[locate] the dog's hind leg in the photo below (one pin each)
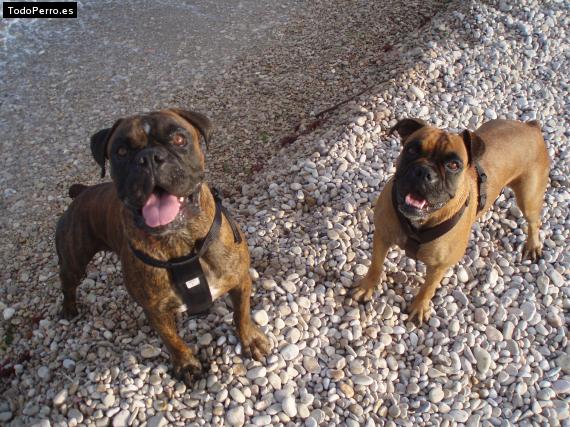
(73, 260)
(529, 190)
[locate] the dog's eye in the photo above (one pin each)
(453, 165)
(412, 150)
(122, 151)
(179, 140)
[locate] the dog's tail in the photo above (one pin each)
(76, 189)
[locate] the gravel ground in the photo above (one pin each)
(495, 351)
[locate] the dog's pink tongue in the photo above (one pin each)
(160, 210)
(416, 203)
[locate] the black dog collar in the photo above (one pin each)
(186, 272)
(418, 236)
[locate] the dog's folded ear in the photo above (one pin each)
(99, 142)
(406, 127)
(474, 144)
(200, 121)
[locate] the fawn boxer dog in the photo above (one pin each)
(443, 183)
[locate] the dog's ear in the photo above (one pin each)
(198, 120)
(99, 141)
(406, 127)
(474, 145)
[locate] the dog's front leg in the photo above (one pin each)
(185, 364)
(366, 286)
(253, 341)
(420, 309)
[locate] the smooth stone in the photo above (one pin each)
(528, 309)
(237, 395)
(235, 416)
(6, 416)
(508, 329)
(364, 380)
(493, 333)
(60, 397)
(436, 395)
(360, 270)
(68, 363)
(557, 278)
(561, 387)
(256, 372)
(157, 421)
(473, 421)
(554, 320)
(311, 364)
(75, 414)
(262, 420)
(260, 317)
(44, 372)
(205, 339)
(120, 420)
(483, 359)
(417, 92)
(108, 400)
(459, 415)
(289, 286)
(290, 352)
(289, 407)
(462, 275)
(148, 351)
(268, 284)
(563, 362)
(394, 411)
(8, 313)
(311, 422)
(347, 390)
(480, 316)
(490, 114)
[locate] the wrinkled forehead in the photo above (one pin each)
(157, 126)
(438, 142)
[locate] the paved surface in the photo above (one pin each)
(64, 79)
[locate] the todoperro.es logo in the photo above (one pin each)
(43, 9)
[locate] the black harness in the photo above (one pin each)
(419, 236)
(186, 272)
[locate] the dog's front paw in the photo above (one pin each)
(68, 311)
(255, 343)
(363, 292)
(419, 310)
(532, 251)
(188, 370)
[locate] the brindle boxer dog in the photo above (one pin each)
(159, 205)
(443, 183)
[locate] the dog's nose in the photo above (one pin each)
(151, 157)
(424, 173)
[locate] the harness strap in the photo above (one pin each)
(481, 187)
(226, 213)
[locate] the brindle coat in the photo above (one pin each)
(98, 219)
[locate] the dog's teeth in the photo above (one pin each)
(181, 199)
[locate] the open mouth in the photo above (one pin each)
(416, 202)
(161, 208)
